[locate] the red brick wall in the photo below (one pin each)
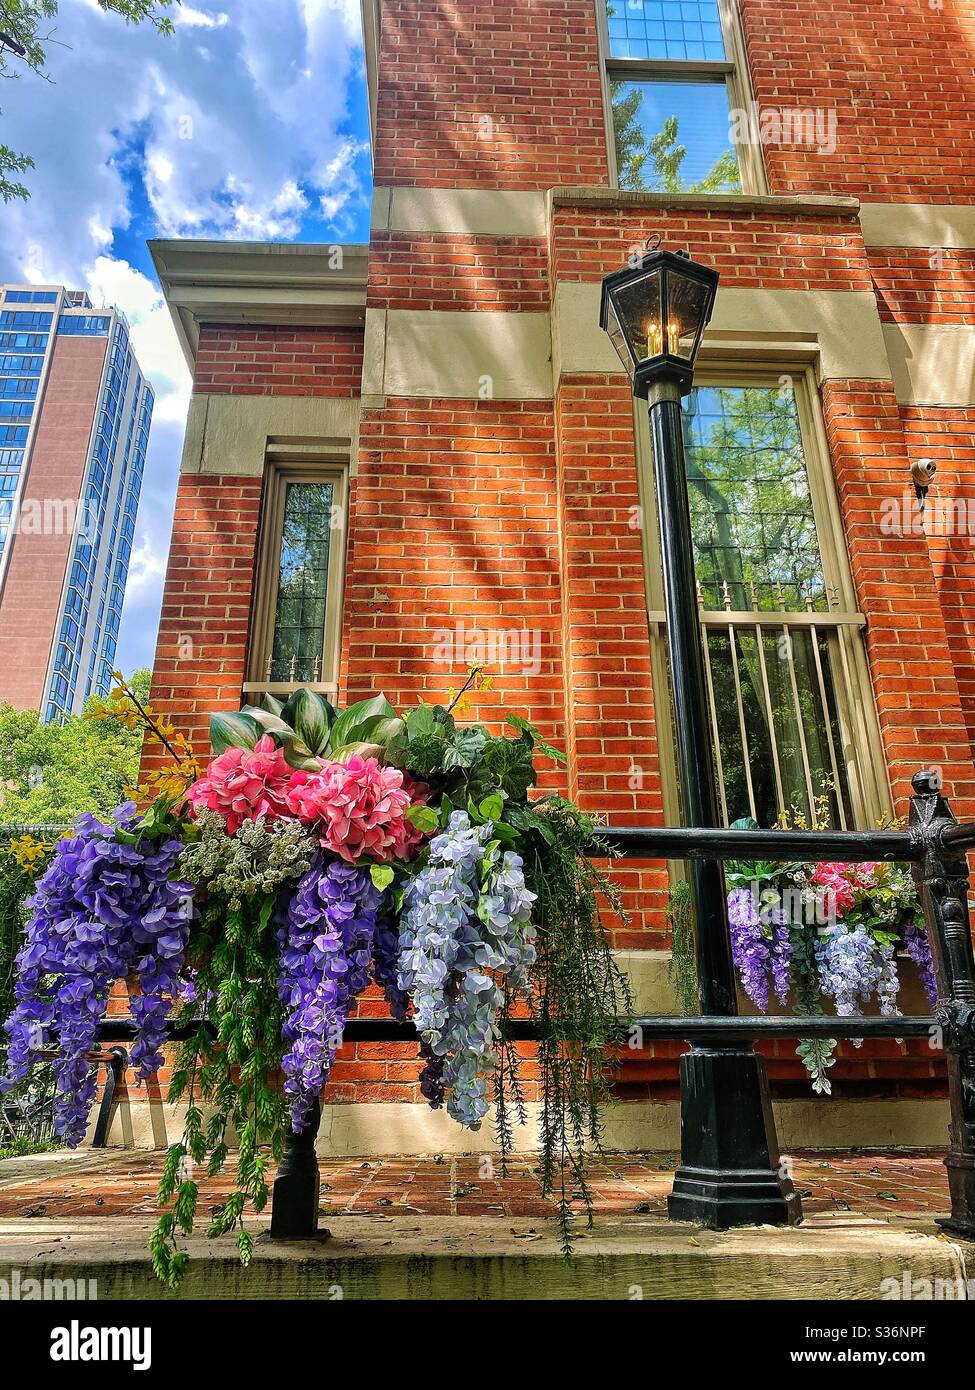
(947, 435)
(898, 75)
(237, 361)
(749, 249)
(922, 284)
(497, 94)
(911, 661)
(453, 520)
(458, 272)
(201, 650)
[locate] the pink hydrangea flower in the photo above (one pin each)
(241, 785)
(360, 807)
(834, 878)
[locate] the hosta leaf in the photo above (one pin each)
(272, 704)
(355, 724)
(311, 717)
(233, 730)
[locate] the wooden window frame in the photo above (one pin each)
(733, 73)
(280, 471)
(866, 771)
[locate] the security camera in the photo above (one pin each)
(922, 473)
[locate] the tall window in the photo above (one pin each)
(790, 698)
(296, 631)
(674, 71)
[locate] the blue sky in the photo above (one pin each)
(249, 123)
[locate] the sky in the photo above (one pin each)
(248, 123)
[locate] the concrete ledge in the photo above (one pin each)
(793, 205)
(637, 1126)
(402, 1257)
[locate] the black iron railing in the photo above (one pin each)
(934, 843)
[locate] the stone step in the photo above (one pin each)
(374, 1256)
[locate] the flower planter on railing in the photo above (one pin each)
(318, 852)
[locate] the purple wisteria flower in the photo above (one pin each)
(852, 966)
(325, 951)
(918, 947)
(781, 952)
(750, 946)
(103, 910)
(460, 939)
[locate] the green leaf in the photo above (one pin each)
(421, 722)
(355, 724)
(382, 876)
(424, 818)
(233, 730)
(311, 716)
(272, 704)
(492, 807)
(531, 735)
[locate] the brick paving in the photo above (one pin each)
(123, 1183)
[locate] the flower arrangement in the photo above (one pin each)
(825, 931)
(255, 898)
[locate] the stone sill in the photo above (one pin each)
(805, 205)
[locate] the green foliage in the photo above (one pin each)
(682, 966)
(581, 1000)
(307, 728)
(52, 773)
(26, 23)
(228, 1071)
(15, 887)
(22, 1147)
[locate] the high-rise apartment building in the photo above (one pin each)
(75, 411)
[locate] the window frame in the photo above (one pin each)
(282, 469)
(866, 770)
(733, 73)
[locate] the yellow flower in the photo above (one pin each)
(29, 854)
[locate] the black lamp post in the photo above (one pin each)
(655, 311)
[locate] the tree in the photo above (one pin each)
(21, 23)
(51, 773)
(663, 151)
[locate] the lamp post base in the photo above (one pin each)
(730, 1172)
(961, 1185)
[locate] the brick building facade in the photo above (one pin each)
(450, 387)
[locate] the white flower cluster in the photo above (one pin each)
(258, 859)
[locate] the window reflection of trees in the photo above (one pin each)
(299, 620)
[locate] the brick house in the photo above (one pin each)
(437, 425)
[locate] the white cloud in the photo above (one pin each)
(233, 126)
(154, 338)
(196, 19)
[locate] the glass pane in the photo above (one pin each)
(752, 518)
(686, 305)
(683, 29)
(674, 137)
(803, 729)
(299, 618)
(639, 307)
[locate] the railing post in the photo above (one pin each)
(295, 1194)
(944, 894)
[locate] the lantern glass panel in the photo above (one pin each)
(617, 337)
(687, 304)
(638, 307)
